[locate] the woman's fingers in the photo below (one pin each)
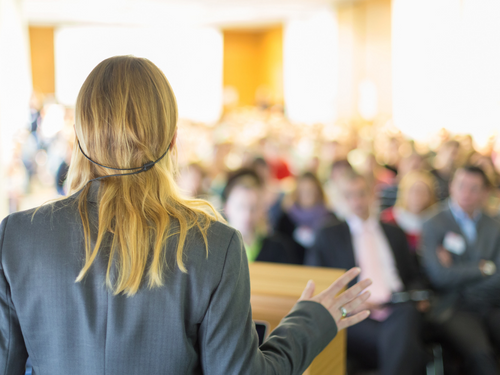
(308, 291)
(356, 302)
(351, 293)
(340, 283)
(352, 320)
(350, 300)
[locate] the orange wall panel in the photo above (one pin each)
(42, 59)
(241, 63)
(253, 59)
(272, 57)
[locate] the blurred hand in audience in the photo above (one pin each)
(444, 257)
(350, 300)
(424, 306)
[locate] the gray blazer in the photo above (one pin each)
(199, 322)
(463, 281)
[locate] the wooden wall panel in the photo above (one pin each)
(253, 59)
(42, 59)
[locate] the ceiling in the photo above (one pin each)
(221, 13)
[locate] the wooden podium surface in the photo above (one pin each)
(275, 288)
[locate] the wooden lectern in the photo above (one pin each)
(275, 288)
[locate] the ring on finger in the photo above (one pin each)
(343, 311)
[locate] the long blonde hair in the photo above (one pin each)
(125, 116)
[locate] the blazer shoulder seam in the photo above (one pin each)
(2, 241)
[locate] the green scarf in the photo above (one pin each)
(253, 250)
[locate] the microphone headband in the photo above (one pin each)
(146, 167)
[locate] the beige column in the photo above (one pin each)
(365, 58)
(15, 84)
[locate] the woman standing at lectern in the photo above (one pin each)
(125, 276)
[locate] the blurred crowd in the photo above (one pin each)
(419, 218)
(264, 140)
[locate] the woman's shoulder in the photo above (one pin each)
(221, 235)
(41, 214)
(218, 235)
(224, 248)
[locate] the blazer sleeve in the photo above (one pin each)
(487, 290)
(228, 339)
(13, 354)
(458, 275)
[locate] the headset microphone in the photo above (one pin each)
(146, 167)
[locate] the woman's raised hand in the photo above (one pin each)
(341, 305)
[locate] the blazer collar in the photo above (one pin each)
(93, 193)
(451, 217)
(469, 251)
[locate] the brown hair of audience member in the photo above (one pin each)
(354, 176)
(294, 197)
(340, 165)
(246, 177)
(472, 169)
(486, 164)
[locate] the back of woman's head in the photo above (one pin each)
(126, 116)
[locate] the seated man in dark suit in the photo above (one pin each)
(389, 339)
(461, 250)
(244, 209)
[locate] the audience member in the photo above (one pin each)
(444, 167)
(461, 248)
(192, 181)
(245, 210)
(305, 211)
(336, 202)
(416, 194)
(389, 192)
(492, 204)
(389, 339)
(272, 194)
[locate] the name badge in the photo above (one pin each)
(454, 243)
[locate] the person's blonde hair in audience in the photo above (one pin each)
(409, 180)
(123, 127)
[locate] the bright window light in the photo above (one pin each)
(445, 67)
(310, 63)
(191, 59)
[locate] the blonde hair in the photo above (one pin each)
(410, 179)
(126, 115)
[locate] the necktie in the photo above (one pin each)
(372, 267)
